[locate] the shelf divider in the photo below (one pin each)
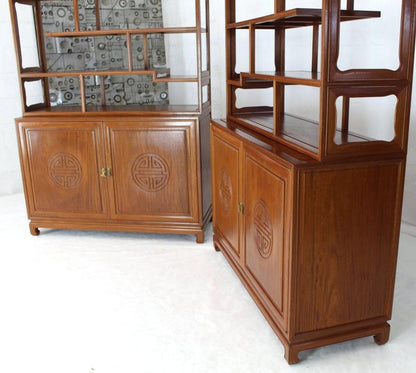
(76, 15)
(315, 47)
(129, 53)
(145, 56)
(82, 93)
(252, 48)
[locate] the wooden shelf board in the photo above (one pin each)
(259, 78)
(300, 17)
(296, 130)
(170, 78)
(92, 33)
(156, 110)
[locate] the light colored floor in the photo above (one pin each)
(82, 302)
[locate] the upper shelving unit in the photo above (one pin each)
(286, 75)
(93, 56)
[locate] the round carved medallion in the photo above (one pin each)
(226, 191)
(150, 172)
(263, 229)
(65, 170)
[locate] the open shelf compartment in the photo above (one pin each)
(95, 44)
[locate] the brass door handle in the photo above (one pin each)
(241, 208)
(106, 172)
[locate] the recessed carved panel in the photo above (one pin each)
(65, 170)
(226, 191)
(263, 229)
(150, 172)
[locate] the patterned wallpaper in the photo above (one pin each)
(104, 52)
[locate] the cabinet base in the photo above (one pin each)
(380, 331)
(166, 228)
(380, 334)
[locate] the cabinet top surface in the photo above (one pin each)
(252, 138)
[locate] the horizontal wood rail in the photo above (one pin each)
(154, 73)
(142, 31)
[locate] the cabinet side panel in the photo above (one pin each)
(205, 164)
(347, 244)
(225, 165)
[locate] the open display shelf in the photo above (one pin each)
(105, 49)
(308, 167)
(116, 107)
(298, 132)
(383, 82)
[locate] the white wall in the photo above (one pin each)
(10, 180)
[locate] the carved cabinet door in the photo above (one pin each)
(154, 167)
(226, 175)
(267, 198)
(61, 169)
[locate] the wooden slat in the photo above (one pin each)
(76, 15)
(145, 52)
(315, 48)
(97, 15)
(252, 48)
(345, 114)
(129, 53)
(279, 5)
(82, 93)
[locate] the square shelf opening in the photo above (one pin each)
(362, 119)
(99, 53)
(34, 92)
(265, 50)
(66, 91)
(242, 51)
(25, 15)
(183, 93)
(369, 44)
(182, 14)
(254, 98)
(299, 49)
(248, 9)
(135, 90)
(181, 54)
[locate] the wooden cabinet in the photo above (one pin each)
(308, 166)
(120, 174)
(116, 107)
(314, 244)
